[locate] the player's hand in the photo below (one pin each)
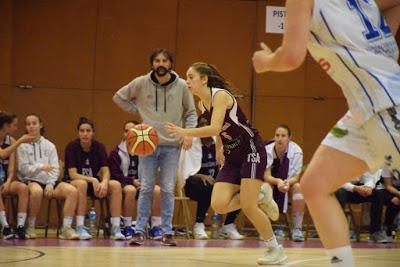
(219, 156)
(6, 187)
(47, 168)
(96, 186)
(48, 191)
(282, 185)
(136, 184)
(174, 130)
(26, 138)
(187, 142)
(260, 58)
(103, 189)
(206, 179)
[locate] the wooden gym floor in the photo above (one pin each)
(192, 253)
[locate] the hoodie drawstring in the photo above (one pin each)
(34, 151)
(165, 99)
(155, 87)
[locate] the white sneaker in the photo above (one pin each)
(116, 233)
(273, 256)
(267, 203)
(297, 235)
(199, 232)
(230, 231)
(31, 232)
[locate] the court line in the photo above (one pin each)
(291, 263)
(40, 254)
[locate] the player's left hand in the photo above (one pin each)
(48, 191)
(260, 58)
(173, 130)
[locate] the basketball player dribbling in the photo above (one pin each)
(243, 152)
(353, 41)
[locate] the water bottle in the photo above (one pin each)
(2, 174)
(92, 218)
(215, 222)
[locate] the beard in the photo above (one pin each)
(161, 71)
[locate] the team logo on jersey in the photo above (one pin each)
(339, 132)
(87, 172)
(253, 157)
(325, 65)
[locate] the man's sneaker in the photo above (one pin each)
(168, 240)
(378, 237)
(155, 233)
(230, 231)
(279, 233)
(199, 232)
(127, 232)
(116, 233)
(7, 233)
(20, 232)
(31, 232)
(267, 203)
(273, 256)
(137, 239)
(297, 235)
(83, 232)
(68, 233)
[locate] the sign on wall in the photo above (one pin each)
(275, 19)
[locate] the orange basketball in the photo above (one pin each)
(141, 140)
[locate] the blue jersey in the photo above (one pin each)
(353, 44)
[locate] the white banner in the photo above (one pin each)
(275, 19)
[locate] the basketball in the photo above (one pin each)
(141, 140)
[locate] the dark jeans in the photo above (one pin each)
(391, 211)
(197, 191)
(376, 200)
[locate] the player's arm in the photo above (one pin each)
(291, 54)
(221, 102)
(73, 173)
(391, 11)
(389, 186)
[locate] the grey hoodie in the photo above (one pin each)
(31, 157)
(158, 104)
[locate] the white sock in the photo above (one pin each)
(21, 218)
(298, 219)
(79, 220)
(341, 257)
(115, 221)
(67, 221)
(127, 221)
(3, 218)
(272, 242)
(155, 221)
(32, 221)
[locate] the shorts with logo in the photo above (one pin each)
(377, 141)
(250, 164)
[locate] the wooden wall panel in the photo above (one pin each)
(5, 43)
(221, 33)
(109, 118)
(59, 109)
(54, 43)
(127, 33)
(5, 98)
(272, 111)
(275, 83)
(320, 117)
